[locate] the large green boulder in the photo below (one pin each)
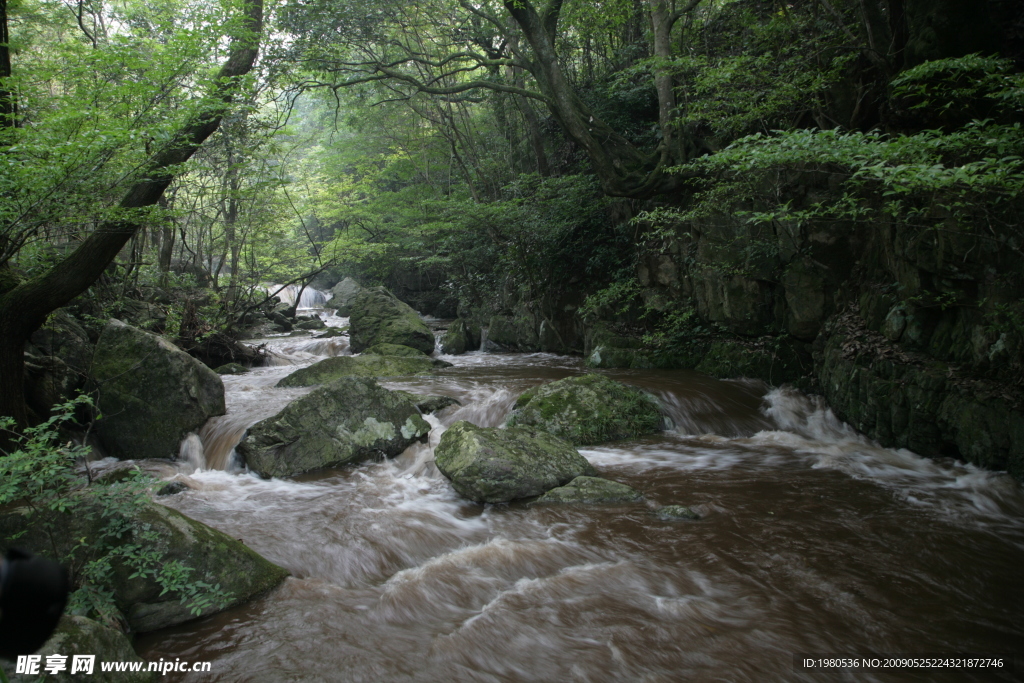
(342, 296)
(347, 421)
(77, 635)
(150, 393)
(331, 369)
(588, 409)
(212, 557)
(498, 465)
(379, 318)
(592, 490)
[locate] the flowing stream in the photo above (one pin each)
(812, 540)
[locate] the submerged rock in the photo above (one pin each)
(592, 490)
(76, 635)
(432, 404)
(211, 557)
(379, 318)
(587, 410)
(151, 393)
(342, 296)
(676, 512)
(347, 421)
(331, 369)
(499, 465)
(232, 369)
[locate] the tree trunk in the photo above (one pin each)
(24, 308)
(622, 169)
(8, 102)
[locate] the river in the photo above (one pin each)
(813, 540)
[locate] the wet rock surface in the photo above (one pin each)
(587, 410)
(331, 369)
(347, 421)
(379, 318)
(592, 490)
(498, 465)
(151, 393)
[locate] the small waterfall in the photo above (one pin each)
(192, 452)
(311, 298)
(483, 338)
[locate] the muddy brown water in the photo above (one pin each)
(812, 540)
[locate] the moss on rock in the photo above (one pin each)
(379, 318)
(331, 369)
(76, 635)
(212, 556)
(587, 410)
(394, 350)
(347, 421)
(593, 490)
(151, 393)
(499, 465)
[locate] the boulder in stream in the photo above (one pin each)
(676, 513)
(498, 465)
(461, 337)
(151, 393)
(342, 296)
(594, 490)
(76, 635)
(211, 556)
(331, 369)
(588, 409)
(379, 318)
(347, 421)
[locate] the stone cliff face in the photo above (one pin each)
(916, 332)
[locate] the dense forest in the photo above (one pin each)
(821, 194)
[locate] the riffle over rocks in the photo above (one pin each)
(909, 400)
(378, 317)
(499, 465)
(347, 421)
(150, 393)
(587, 410)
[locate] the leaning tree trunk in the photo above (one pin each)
(622, 169)
(24, 308)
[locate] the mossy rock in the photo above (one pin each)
(498, 465)
(76, 635)
(347, 421)
(232, 369)
(462, 336)
(151, 393)
(587, 410)
(592, 490)
(311, 324)
(212, 556)
(394, 350)
(331, 369)
(380, 318)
